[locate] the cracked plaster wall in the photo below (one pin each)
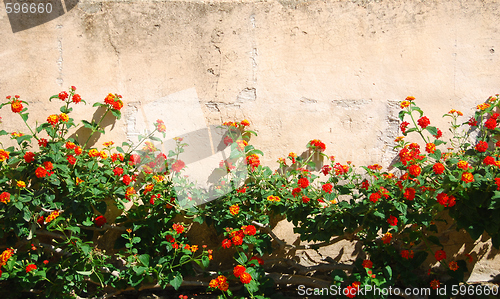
(298, 70)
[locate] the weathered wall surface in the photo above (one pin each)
(298, 70)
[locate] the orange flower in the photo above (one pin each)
(70, 145)
(234, 209)
(463, 165)
(52, 216)
(4, 155)
(78, 181)
(467, 177)
(435, 284)
(410, 98)
(129, 192)
(5, 256)
(53, 119)
(213, 283)
(245, 123)
(194, 248)
(455, 111)
(483, 106)
(238, 270)
(16, 106)
(5, 197)
(64, 117)
(245, 278)
(430, 148)
(78, 151)
(21, 184)
(94, 153)
(387, 238)
(108, 144)
(453, 266)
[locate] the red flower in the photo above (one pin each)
(374, 197)
(365, 185)
(76, 98)
(386, 238)
(326, 169)
(327, 188)
(317, 145)
(238, 270)
(170, 239)
(179, 228)
(393, 221)
(306, 199)
(126, 179)
(438, 168)
(367, 264)
(403, 126)
(481, 146)
(423, 122)
(237, 238)
(253, 161)
(45, 262)
(63, 95)
(303, 183)
(16, 106)
(409, 193)
(40, 172)
(48, 165)
(491, 123)
(350, 291)
(118, 171)
(249, 230)
(407, 254)
(439, 134)
(228, 140)
(296, 191)
(40, 220)
(178, 166)
(472, 122)
(134, 159)
(42, 142)
(71, 159)
(99, 221)
(30, 267)
(489, 160)
(29, 157)
(226, 243)
(414, 170)
(5, 197)
(440, 255)
(245, 278)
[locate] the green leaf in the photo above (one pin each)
(205, 261)
(198, 219)
(432, 130)
(176, 281)
(24, 116)
(116, 113)
(120, 150)
(241, 257)
(86, 273)
(136, 240)
(434, 240)
(144, 259)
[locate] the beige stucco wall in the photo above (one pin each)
(297, 70)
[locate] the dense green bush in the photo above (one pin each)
(79, 221)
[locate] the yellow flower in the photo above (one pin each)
(52, 216)
(94, 153)
(21, 184)
(103, 155)
(78, 181)
(404, 104)
(273, 198)
(234, 209)
(108, 144)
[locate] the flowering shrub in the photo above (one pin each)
(79, 220)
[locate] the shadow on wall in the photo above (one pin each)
(83, 135)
